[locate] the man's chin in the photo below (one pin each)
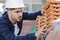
(19, 20)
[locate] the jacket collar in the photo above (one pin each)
(5, 16)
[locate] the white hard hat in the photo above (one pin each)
(14, 4)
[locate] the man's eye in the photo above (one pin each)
(18, 11)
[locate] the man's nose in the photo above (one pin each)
(20, 14)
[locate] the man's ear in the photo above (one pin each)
(9, 11)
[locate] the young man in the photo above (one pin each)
(11, 21)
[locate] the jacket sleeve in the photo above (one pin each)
(5, 34)
(31, 16)
(30, 36)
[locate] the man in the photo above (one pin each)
(11, 21)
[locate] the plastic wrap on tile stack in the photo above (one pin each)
(40, 21)
(51, 11)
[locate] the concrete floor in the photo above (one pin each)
(27, 24)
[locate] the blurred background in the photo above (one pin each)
(32, 5)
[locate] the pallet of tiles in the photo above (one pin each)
(51, 11)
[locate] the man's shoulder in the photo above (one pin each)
(2, 21)
(4, 18)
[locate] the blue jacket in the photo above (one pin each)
(7, 28)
